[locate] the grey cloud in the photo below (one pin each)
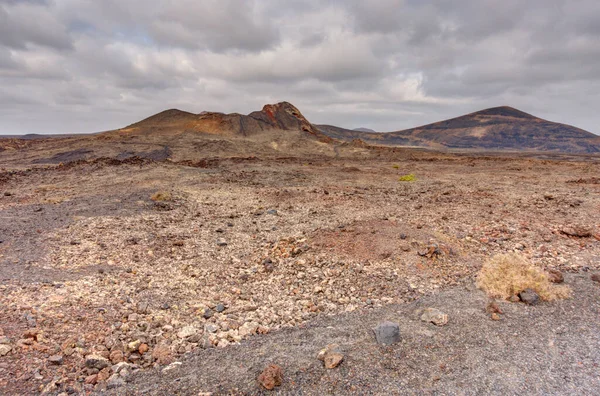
(29, 23)
(383, 64)
(214, 24)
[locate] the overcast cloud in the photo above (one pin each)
(87, 65)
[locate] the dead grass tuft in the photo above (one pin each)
(161, 196)
(506, 275)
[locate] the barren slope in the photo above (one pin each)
(502, 128)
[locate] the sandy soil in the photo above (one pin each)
(258, 260)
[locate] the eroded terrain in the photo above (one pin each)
(246, 247)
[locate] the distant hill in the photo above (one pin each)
(363, 130)
(273, 117)
(498, 128)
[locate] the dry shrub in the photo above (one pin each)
(506, 275)
(161, 196)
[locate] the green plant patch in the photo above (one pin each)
(407, 178)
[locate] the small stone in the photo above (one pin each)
(576, 231)
(186, 332)
(211, 328)
(272, 212)
(116, 356)
(333, 359)
(555, 276)
(96, 361)
(104, 374)
(434, 316)
(220, 307)
(117, 368)
(91, 379)
(529, 297)
(247, 329)
(142, 307)
(492, 308)
(143, 348)
(4, 340)
(4, 349)
(134, 357)
(331, 356)
(271, 377)
(208, 313)
(387, 333)
(31, 333)
(115, 381)
(56, 360)
(596, 277)
(495, 316)
(221, 242)
(171, 366)
(134, 345)
(514, 298)
(162, 354)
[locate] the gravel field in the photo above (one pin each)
(243, 262)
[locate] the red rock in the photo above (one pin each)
(492, 307)
(91, 379)
(116, 356)
(104, 374)
(271, 377)
(143, 348)
(555, 276)
(162, 354)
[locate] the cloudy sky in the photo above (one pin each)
(93, 65)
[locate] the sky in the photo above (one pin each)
(71, 66)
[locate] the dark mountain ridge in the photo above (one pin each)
(497, 128)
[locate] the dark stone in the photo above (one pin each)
(208, 313)
(529, 297)
(387, 333)
(220, 307)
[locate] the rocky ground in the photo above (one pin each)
(269, 260)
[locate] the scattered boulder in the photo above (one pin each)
(186, 332)
(555, 276)
(529, 297)
(493, 308)
(576, 231)
(96, 361)
(387, 333)
(271, 377)
(435, 316)
(116, 356)
(162, 354)
(56, 360)
(247, 329)
(331, 356)
(514, 298)
(143, 348)
(134, 345)
(208, 313)
(4, 349)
